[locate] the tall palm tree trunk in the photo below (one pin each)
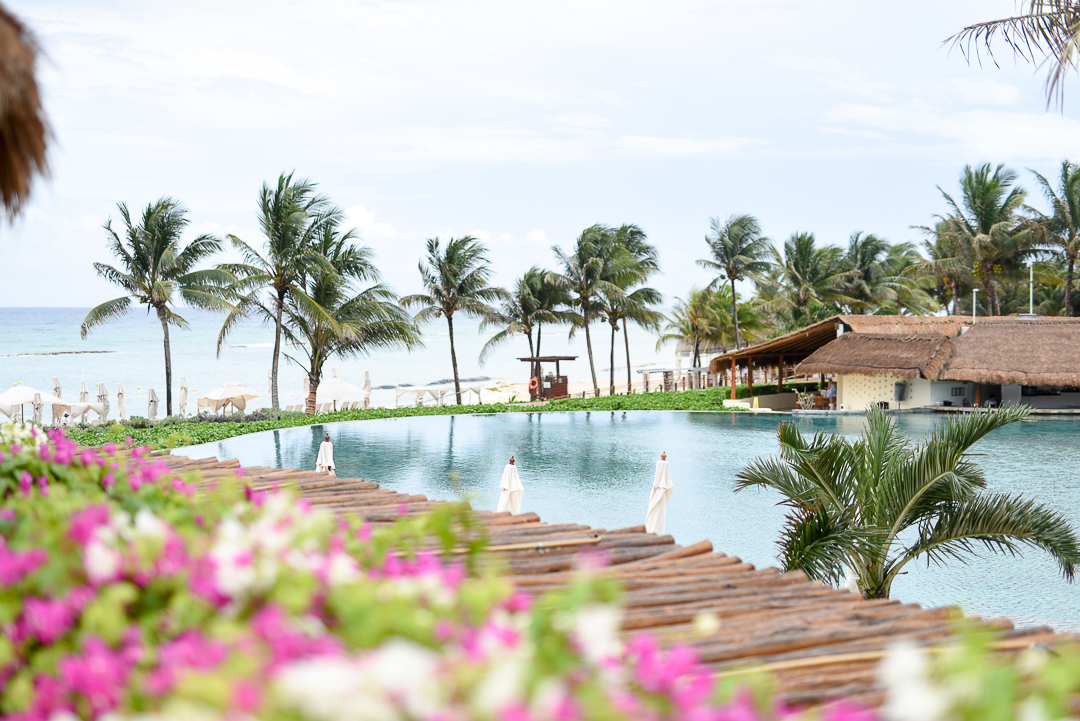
(735, 313)
(697, 357)
(453, 358)
(313, 388)
(626, 340)
(539, 330)
(991, 288)
(614, 327)
(277, 352)
(1069, 282)
(592, 366)
(168, 359)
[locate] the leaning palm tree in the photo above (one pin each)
(636, 305)
(985, 224)
(643, 261)
(347, 322)
(523, 312)
(1060, 231)
(586, 274)
(738, 250)
(292, 217)
(875, 504)
(693, 320)
(156, 270)
(456, 280)
(812, 280)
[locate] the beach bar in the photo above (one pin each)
(545, 388)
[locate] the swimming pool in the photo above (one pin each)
(596, 468)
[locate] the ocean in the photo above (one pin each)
(38, 344)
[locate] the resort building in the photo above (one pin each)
(903, 362)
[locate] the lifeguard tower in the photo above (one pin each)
(547, 387)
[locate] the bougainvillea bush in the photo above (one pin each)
(126, 592)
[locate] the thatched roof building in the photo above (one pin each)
(908, 356)
(24, 131)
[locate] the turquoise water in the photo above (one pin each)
(597, 469)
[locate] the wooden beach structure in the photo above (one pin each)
(820, 643)
(548, 387)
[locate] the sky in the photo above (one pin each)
(518, 123)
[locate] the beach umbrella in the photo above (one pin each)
(367, 389)
(37, 409)
(510, 490)
(335, 389)
(151, 407)
(658, 500)
(232, 392)
(84, 397)
(121, 406)
(103, 400)
(183, 397)
(57, 410)
(18, 395)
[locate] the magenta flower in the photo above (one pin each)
(86, 521)
(16, 565)
(26, 482)
(99, 675)
(110, 449)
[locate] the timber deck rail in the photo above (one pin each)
(820, 643)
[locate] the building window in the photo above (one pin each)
(957, 391)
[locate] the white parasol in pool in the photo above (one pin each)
(510, 490)
(658, 500)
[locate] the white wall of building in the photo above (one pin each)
(857, 392)
(943, 391)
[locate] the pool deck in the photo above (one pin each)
(820, 643)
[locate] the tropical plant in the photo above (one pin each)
(697, 318)
(875, 504)
(738, 250)
(811, 279)
(587, 272)
(1060, 231)
(456, 280)
(985, 226)
(291, 216)
(347, 322)
(945, 266)
(157, 269)
(886, 279)
(24, 131)
(522, 312)
(1043, 31)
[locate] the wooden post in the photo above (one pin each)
(780, 375)
(734, 377)
(646, 376)
(978, 394)
(750, 376)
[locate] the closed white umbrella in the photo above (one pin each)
(335, 389)
(232, 392)
(510, 490)
(183, 397)
(367, 389)
(151, 407)
(57, 410)
(84, 397)
(103, 400)
(37, 409)
(661, 494)
(121, 406)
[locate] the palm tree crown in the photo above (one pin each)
(156, 270)
(738, 250)
(456, 280)
(291, 216)
(876, 503)
(1060, 230)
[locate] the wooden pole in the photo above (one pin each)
(750, 375)
(780, 375)
(734, 377)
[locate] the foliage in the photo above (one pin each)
(739, 250)
(125, 594)
(874, 504)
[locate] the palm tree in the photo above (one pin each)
(738, 250)
(523, 311)
(586, 274)
(643, 261)
(985, 223)
(621, 307)
(945, 267)
(455, 281)
(291, 217)
(346, 322)
(812, 280)
(24, 131)
(704, 319)
(877, 503)
(156, 270)
(1061, 229)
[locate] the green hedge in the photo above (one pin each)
(173, 432)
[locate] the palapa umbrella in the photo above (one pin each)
(232, 392)
(367, 389)
(510, 490)
(103, 400)
(57, 410)
(661, 494)
(121, 406)
(37, 409)
(335, 389)
(183, 397)
(151, 407)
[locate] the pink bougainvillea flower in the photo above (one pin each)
(26, 482)
(16, 565)
(86, 521)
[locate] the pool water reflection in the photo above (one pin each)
(596, 468)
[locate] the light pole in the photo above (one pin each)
(974, 303)
(1031, 290)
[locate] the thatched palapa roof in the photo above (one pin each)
(1010, 350)
(24, 131)
(875, 354)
